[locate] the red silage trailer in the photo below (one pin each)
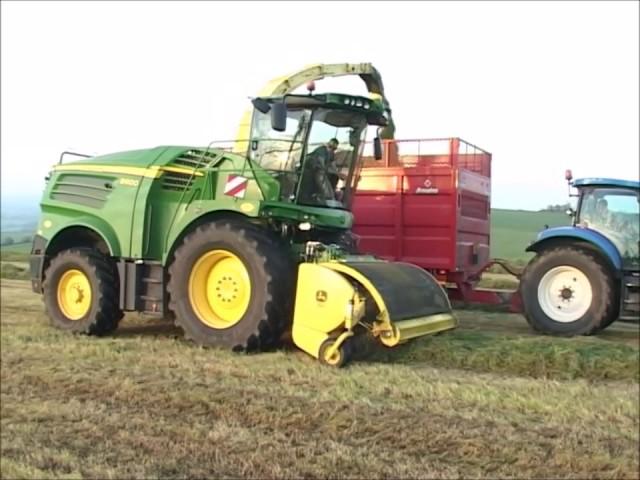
(428, 202)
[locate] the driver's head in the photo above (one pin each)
(332, 144)
(602, 204)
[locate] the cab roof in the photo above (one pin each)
(606, 182)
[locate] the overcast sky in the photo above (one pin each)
(543, 86)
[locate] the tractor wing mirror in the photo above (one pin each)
(377, 148)
(279, 117)
(261, 105)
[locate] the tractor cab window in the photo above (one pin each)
(314, 158)
(328, 169)
(615, 213)
(280, 153)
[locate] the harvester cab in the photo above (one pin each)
(311, 144)
(239, 246)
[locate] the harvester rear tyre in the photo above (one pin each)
(266, 311)
(96, 286)
(540, 292)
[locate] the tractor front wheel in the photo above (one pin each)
(566, 291)
(81, 292)
(231, 285)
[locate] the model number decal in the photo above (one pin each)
(128, 182)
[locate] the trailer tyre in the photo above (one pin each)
(231, 285)
(81, 292)
(566, 292)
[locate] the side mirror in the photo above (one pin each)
(279, 117)
(571, 212)
(377, 148)
(261, 105)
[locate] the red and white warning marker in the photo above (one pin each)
(236, 186)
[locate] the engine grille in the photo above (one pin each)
(195, 159)
(177, 181)
(91, 191)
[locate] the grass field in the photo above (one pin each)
(488, 400)
(513, 230)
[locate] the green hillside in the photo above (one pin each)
(513, 230)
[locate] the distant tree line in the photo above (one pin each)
(10, 240)
(556, 208)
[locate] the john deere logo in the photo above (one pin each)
(321, 296)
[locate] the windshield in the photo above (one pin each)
(615, 213)
(314, 158)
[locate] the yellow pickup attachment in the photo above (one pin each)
(395, 301)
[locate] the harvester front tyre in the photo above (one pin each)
(566, 292)
(340, 357)
(81, 292)
(231, 285)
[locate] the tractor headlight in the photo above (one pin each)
(305, 226)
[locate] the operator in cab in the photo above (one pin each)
(321, 174)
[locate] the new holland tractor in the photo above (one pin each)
(239, 246)
(587, 275)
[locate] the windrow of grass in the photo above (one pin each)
(535, 357)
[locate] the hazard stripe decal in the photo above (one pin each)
(236, 186)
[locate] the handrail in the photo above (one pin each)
(72, 153)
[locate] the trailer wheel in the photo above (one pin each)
(81, 292)
(231, 285)
(565, 292)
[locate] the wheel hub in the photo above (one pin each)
(74, 294)
(219, 288)
(565, 294)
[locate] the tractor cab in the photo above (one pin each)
(310, 144)
(611, 207)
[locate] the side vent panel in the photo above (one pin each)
(85, 190)
(177, 182)
(195, 159)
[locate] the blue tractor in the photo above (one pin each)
(587, 275)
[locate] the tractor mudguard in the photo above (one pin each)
(570, 234)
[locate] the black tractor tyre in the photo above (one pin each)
(104, 313)
(272, 275)
(601, 307)
(612, 317)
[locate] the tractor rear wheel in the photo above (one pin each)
(81, 292)
(231, 284)
(566, 291)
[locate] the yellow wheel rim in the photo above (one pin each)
(219, 289)
(74, 294)
(332, 359)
